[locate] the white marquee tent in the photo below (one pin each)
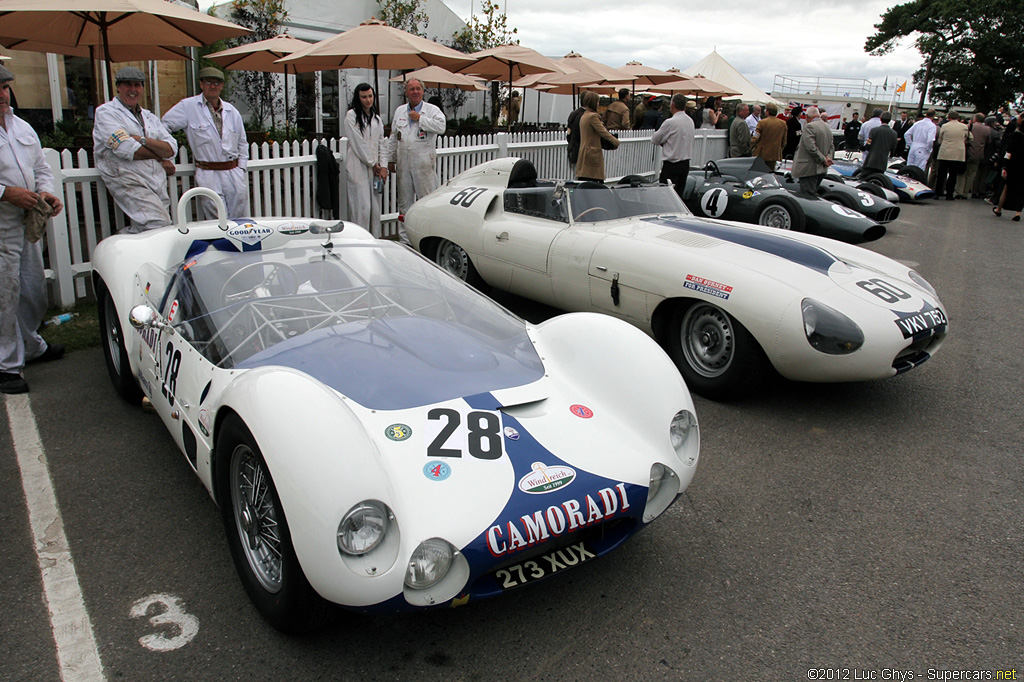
(717, 69)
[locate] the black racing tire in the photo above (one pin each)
(115, 352)
(453, 259)
(880, 179)
(841, 199)
(781, 213)
(914, 172)
(258, 535)
(717, 356)
(871, 189)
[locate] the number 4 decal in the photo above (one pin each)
(714, 202)
(451, 433)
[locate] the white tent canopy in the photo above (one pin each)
(717, 69)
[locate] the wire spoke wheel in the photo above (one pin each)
(256, 518)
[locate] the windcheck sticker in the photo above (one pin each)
(707, 286)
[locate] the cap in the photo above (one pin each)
(211, 72)
(5, 75)
(130, 73)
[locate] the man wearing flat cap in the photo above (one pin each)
(133, 151)
(216, 135)
(26, 193)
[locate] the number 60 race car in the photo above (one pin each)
(376, 433)
(726, 300)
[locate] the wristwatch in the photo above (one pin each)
(142, 141)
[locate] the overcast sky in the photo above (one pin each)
(762, 38)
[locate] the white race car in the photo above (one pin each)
(726, 300)
(378, 434)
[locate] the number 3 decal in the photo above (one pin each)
(451, 433)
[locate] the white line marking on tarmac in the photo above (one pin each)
(77, 655)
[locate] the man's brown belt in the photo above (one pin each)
(217, 165)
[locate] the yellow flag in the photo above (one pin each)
(902, 88)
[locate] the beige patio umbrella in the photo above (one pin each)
(697, 86)
(374, 45)
(262, 56)
(515, 61)
(585, 73)
(645, 75)
(108, 25)
(440, 77)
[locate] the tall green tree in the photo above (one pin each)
(265, 18)
(482, 32)
(973, 51)
(407, 15)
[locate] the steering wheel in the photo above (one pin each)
(591, 210)
(272, 284)
(713, 167)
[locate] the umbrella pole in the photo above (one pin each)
(106, 55)
(508, 107)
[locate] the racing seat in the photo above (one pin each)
(523, 175)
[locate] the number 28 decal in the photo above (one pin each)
(451, 433)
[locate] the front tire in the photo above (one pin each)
(717, 356)
(258, 535)
(781, 214)
(115, 352)
(880, 179)
(454, 259)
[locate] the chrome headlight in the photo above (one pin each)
(923, 283)
(363, 527)
(429, 563)
(661, 491)
(828, 330)
(682, 433)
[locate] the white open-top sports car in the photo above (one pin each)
(726, 300)
(378, 434)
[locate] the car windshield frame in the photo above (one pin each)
(593, 202)
(231, 305)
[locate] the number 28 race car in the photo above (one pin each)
(376, 433)
(726, 300)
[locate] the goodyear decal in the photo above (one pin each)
(250, 233)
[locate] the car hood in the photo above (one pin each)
(401, 362)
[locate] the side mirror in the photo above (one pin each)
(144, 317)
(321, 227)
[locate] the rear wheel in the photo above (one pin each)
(453, 258)
(880, 179)
(841, 199)
(914, 172)
(781, 214)
(258, 535)
(716, 355)
(115, 352)
(874, 190)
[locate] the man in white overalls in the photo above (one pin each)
(220, 150)
(412, 148)
(133, 153)
(25, 182)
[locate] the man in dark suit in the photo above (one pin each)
(881, 143)
(901, 126)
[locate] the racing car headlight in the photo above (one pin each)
(923, 283)
(363, 528)
(682, 433)
(661, 490)
(429, 563)
(828, 330)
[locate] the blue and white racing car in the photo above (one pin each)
(377, 433)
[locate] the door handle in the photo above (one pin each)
(503, 237)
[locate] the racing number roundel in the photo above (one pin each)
(714, 203)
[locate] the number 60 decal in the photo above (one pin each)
(467, 196)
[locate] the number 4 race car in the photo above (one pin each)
(376, 433)
(726, 300)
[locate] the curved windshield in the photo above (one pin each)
(593, 202)
(373, 320)
(767, 181)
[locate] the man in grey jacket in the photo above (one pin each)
(814, 153)
(739, 133)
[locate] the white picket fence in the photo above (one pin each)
(282, 183)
